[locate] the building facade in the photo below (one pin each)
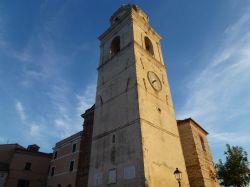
(130, 136)
(63, 166)
(70, 163)
(135, 136)
(85, 148)
(26, 167)
(197, 154)
(6, 153)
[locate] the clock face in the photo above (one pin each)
(154, 81)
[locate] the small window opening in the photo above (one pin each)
(23, 183)
(202, 143)
(97, 179)
(52, 171)
(71, 166)
(115, 46)
(74, 148)
(116, 19)
(129, 172)
(112, 176)
(55, 155)
(167, 99)
(149, 45)
(27, 166)
(113, 139)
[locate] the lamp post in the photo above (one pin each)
(177, 174)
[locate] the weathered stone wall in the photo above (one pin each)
(197, 154)
(162, 152)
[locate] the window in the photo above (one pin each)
(52, 171)
(71, 166)
(59, 185)
(27, 166)
(74, 148)
(129, 172)
(115, 46)
(69, 185)
(97, 179)
(55, 155)
(202, 143)
(23, 183)
(149, 45)
(112, 176)
(113, 139)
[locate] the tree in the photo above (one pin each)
(235, 170)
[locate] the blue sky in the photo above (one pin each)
(49, 53)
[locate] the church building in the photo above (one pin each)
(130, 135)
(136, 140)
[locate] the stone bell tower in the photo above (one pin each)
(135, 136)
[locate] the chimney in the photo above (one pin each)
(33, 148)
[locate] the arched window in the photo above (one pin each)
(149, 45)
(115, 46)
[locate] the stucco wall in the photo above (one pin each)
(37, 175)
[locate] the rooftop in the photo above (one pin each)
(180, 122)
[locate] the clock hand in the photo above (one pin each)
(154, 81)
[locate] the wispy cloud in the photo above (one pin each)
(21, 111)
(87, 99)
(229, 138)
(42, 71)
(220, 91)
(67, 118)
(35, 130)
(30, 128)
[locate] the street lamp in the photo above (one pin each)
(177, 174)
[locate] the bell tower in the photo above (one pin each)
(135, 136)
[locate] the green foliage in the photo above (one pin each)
(235, 170)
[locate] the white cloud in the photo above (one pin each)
(64, 128)
(67, 118)
(21, 111)
(35, 129)
(232, 138)
(43, 64)
(221, 90)
(87, 99)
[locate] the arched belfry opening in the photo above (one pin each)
(149, 45)
(115, 46)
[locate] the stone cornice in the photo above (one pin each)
(119, 24)
(132, 16)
